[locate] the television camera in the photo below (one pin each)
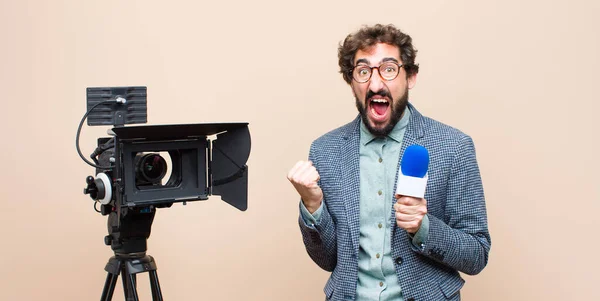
(142, 168)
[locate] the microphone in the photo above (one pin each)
(412, 177)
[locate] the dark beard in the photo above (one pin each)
(397, 107)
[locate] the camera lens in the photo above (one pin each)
(150, 169)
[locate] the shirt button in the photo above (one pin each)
(380, 225)
(380, 160)
(399, 260)
(379, 192)
(377, 255)
(380, 284)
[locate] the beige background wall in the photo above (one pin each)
(521, 77)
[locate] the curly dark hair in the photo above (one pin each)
(368, 36)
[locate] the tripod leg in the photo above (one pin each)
(129, 284)
(155, 286)
(125, 280)
(109, 287)
(133, 288)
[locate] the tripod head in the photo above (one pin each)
(128, 234)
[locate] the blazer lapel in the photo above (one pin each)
(350, 167)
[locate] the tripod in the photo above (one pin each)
(128, 266)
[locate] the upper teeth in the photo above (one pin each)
(381, 100)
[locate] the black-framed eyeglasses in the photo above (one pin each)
(387, 70)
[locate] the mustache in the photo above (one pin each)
(382, 93)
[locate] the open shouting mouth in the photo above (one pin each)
(379, 108)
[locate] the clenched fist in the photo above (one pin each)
(410, 212)
(304, 177)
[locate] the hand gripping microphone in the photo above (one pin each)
(412, 178)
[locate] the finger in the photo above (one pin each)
(411, 227)
(294, 169)
(298, 176)
(399, 207)
(406, 223)
(309, 176)
(405, 217)
(412, 210)
(302, 173)
(409, 201)
(312, 180)
(415, 210)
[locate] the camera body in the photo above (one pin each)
(198, 166)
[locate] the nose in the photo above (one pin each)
(376, 82)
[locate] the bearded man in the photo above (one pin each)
(377, 244)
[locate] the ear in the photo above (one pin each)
(412, 80)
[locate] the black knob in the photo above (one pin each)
(95, 188)
(92, 188)
(108, 240)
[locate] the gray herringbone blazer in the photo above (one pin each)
(458, 233)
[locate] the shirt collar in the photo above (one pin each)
(396, 134)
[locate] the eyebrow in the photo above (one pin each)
(365, 61)
(387, 59)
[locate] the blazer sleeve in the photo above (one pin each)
(463, 242)
(320, 237)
